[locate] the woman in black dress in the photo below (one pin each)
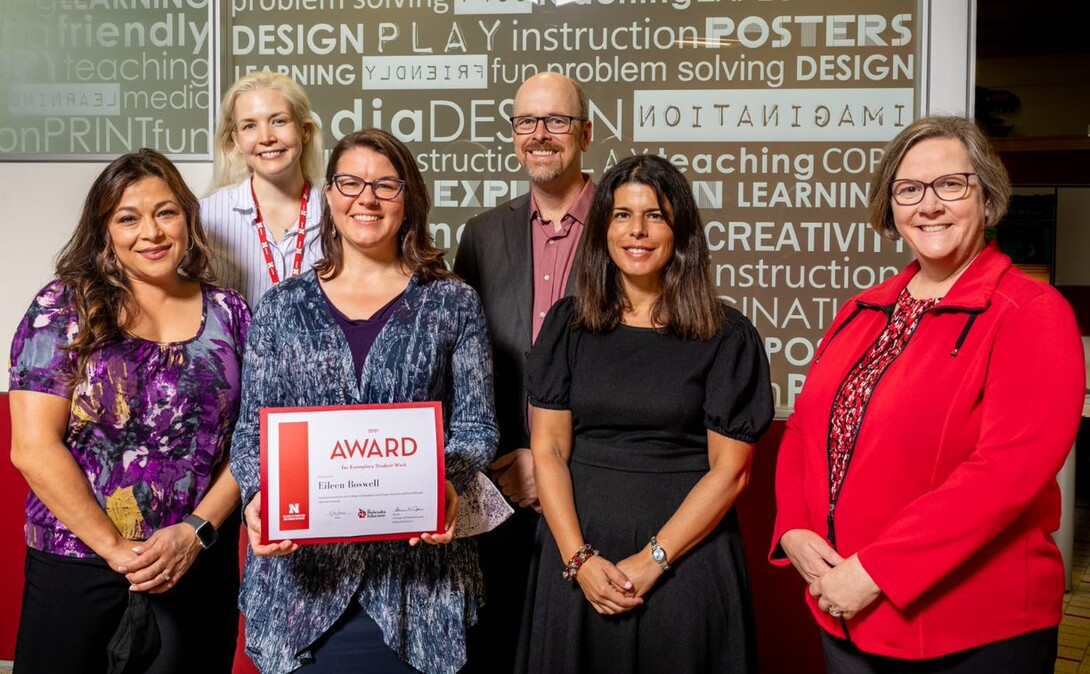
(648, 394)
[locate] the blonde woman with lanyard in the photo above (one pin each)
(262, 220)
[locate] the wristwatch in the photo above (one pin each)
(206, 533)
(658, 554)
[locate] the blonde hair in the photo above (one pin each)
(229, 167)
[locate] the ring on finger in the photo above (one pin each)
(166, 576)
(835, 612)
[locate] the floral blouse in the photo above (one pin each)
(855, 392)
(149, 423)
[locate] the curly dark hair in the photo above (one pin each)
(87, 266)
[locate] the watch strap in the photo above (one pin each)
(203, 529)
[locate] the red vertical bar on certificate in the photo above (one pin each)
(294, 476)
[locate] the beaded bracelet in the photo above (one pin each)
(577, 560)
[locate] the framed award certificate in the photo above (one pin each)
(352, 472)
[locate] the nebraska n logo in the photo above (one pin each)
(294, 476)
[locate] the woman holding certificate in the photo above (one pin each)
(378, 320)
(648, 394)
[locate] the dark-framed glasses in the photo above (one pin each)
(524, 125)
(950, 187)
(353, 186)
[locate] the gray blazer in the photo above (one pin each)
(495, 256)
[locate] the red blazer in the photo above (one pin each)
(950, 497)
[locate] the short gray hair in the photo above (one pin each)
(995, 185)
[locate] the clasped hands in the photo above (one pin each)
(615, 588)
(155, 565)
(841, 586)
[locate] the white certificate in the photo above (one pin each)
(352, 472)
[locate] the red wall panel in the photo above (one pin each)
(787, 636)
(13, 491)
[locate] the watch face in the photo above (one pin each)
(208, 535)
(658, 554)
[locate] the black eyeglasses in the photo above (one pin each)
(353, 186)
(951, 187)
(524, 125)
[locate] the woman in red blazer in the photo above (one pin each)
(916, 486)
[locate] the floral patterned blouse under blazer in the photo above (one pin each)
(434, 347)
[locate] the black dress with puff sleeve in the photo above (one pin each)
(642, 402)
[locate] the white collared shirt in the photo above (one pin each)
(230, 223)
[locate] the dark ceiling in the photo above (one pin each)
(1007, 28)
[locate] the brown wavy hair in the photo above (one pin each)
(995, 186)
(415, 249)
(87, 265)
(688, 306)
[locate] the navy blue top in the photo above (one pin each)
(361, 333)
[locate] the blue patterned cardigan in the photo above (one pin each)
(434, 347)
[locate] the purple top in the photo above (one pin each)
(150, 422)
(361, 333)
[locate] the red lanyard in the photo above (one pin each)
(300, 237)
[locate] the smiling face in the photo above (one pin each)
(148, 232)
(365, 223)
(943, 235)
(640, 238)
(267, 135)
(548, 157)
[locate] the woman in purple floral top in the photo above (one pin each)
(124, 394)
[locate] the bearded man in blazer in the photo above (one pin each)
(518, 256)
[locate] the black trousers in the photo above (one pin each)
(1029, 653)
(354, 643)
(505, 556)
(72, 607)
